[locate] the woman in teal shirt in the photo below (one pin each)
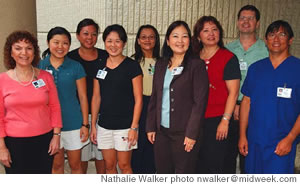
(69, 77)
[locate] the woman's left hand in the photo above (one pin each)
(189, 144)
(54, 145)
(222, 130)
(132, 137)
(84, 134)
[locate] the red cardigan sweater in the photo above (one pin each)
(218, 92)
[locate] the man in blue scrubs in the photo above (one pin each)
(271, 106)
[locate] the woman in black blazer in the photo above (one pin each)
(177, 105)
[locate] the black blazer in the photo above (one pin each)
(188, 98)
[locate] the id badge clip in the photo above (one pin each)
(243, 65)
(151, 69)
(284, 92)
(177, 70)
(49, 71)
(101, 74)
(38, 83)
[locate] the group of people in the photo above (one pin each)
(181, 111)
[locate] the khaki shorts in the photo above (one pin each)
(113, 139)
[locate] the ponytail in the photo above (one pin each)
(46, 53)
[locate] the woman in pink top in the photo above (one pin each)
(30, 114)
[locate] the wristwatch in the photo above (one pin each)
(86, 125)
(135, 129)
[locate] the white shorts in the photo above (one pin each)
(70, 140)
(90, 150)
(113, 139)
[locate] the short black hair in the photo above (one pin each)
(87, 22)
(251, 8)
(115, 28)
(275, 26)
(56, 31)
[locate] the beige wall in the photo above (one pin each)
(160, 13)
(16, 15)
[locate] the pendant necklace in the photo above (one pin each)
(19, 81)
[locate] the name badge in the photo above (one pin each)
(38, 83)
(101, 74)
(177, 70)
(50, 71)
(243, 65)
(284, 92)
(151, 69)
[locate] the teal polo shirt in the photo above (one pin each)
(65, 77)
(256, 52)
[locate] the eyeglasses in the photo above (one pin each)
(244, 18)
(280, 35)
(147, 37)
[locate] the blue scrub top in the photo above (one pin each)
(271, 117)
(65, 77)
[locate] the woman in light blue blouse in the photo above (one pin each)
(177, 104)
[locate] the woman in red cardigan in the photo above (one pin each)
(224, 81)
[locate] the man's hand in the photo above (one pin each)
(284, 146)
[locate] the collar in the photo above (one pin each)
(47, 62)
(259, 42)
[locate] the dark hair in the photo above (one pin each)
(15, 37)
(274, 26)
(87, 22)
(198, 45)
(167, 52)
(56, 31)
(251, 8)
(115, 28)
(139, 55)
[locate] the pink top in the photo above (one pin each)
(26, 111)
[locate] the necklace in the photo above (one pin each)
(19, 81)
(209, 55)
(114, 64)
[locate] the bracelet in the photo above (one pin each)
(86, 125)
(227, 115)
(225, 118)
(58, 134)
(135, 129)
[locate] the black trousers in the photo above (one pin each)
(142, 161)
(29, 154)
(170, 156)
(233, 151)
(213, 153)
